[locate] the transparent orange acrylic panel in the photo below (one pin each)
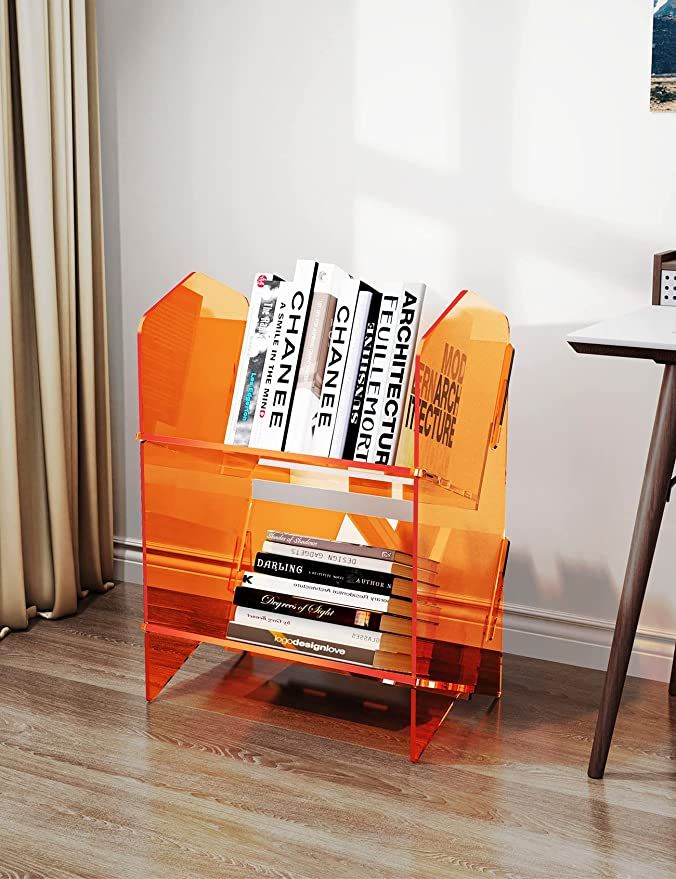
(464, 356)
(188, 350)
(462, 375)
(206, 513)
(207, 506)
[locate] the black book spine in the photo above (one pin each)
(362, 376)
(310, 295)
(291, 606)
(312, 571)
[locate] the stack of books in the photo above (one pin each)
(326, 366)
(341, 601)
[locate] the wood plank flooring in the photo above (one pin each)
(236, 775)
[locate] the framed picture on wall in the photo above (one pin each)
(663, 78)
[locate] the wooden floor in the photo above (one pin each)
(222, 777)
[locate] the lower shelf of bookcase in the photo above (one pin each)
(386, 677)
(429, 702)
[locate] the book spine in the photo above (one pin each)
(382, 349)
(249, 369)
(263, 619)
(379, 379)
(404, 339)
(265, 393)
(310, 373)
(291, 605)
(337, 546)
(321, 572)
(329, 557)
(275, 424)
(297, 644)
(365, 359)
(334, 372)
(352, 360)
(345, 597)
(405, 441)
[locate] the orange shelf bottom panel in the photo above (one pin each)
(284, 655)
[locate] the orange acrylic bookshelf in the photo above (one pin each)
(206, 506)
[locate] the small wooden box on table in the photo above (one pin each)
(207, 506)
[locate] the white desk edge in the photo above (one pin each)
(651, 327)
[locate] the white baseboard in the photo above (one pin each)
(128, 560)
(583, 641)
(528, 631)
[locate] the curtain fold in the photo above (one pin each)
(55, 461)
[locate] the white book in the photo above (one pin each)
(382, 381)
(382, 354)
(351, 368)
(263, 619)
(397, 569)
(265, 393)
(274, 424)
(257, 333)
(384, 446)
(338, 558)
(318, 591)
(306, 398)
(336, 361)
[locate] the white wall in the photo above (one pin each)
(505, 147)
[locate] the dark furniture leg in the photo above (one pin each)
(658, 472)
(672, 682)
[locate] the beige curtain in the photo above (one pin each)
(55, 472)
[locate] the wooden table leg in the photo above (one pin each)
(672, 682)
(658, 472)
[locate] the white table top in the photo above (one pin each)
(641, 333)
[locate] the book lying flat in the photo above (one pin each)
(353, 549)
(322, 592)
(319, 647)
(334, 575)
(352, 561)
(353, 637)
(291, 605)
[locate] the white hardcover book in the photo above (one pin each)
(274, 424)
(384, 446)
(334, 558)
(313, 359)
(263, 619)
(342, 415)
(336, 361)
(265, 392)
(382, 353)
(317, 591)
(377, 440)
(257, 332)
